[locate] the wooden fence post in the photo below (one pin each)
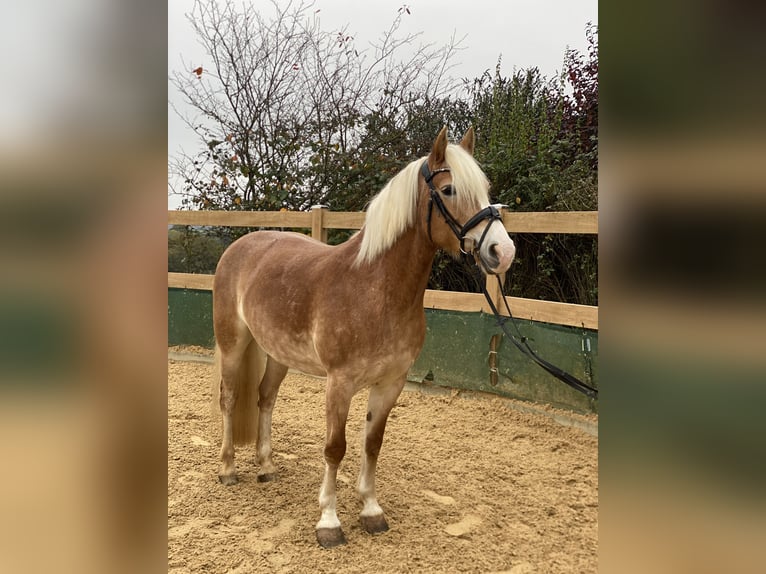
(318, 230)
(495, 293)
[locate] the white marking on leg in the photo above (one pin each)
(329, 518)
(366, 487)
(263, 456)
(371, 508)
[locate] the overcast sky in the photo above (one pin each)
(526, 32)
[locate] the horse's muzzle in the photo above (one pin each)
(497, 257)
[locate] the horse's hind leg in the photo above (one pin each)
(267, 395)
(379, 405)
(236, 402)
(229, 365)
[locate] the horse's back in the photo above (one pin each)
(253, 247)
(266, 252)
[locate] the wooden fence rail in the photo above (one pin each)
(320, 219)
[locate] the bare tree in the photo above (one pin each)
(283, 106)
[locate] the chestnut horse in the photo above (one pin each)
(351, 312)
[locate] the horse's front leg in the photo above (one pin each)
(337, 401)
(379, 405)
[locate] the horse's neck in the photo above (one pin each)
(404, 268)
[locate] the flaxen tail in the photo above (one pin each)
(248, 380)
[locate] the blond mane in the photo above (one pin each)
(393, 210)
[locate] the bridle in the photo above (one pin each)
(490, 214)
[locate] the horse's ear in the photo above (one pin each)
(440, 145)
(468, 141)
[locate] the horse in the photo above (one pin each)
(352, 313)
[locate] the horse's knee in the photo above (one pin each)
(335, 451)
(372, 450)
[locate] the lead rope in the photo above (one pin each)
(522, 345)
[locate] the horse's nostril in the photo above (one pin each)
(498, 256)
(493, 254)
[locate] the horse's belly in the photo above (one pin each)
(392, 365)
(295, 352)
(366, 368)
(302, 364)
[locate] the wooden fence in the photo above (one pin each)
(320, 219)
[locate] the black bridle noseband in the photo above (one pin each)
(490, 213)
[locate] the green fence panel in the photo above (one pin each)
(457, 348)
(190, 317)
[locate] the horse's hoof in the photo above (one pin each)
(228, 479)
(268, 477)
(374, 524)
(330, 537)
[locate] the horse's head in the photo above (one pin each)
(454, 196)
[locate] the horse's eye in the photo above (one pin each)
(447, 190)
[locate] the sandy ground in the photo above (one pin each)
(467, 485)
